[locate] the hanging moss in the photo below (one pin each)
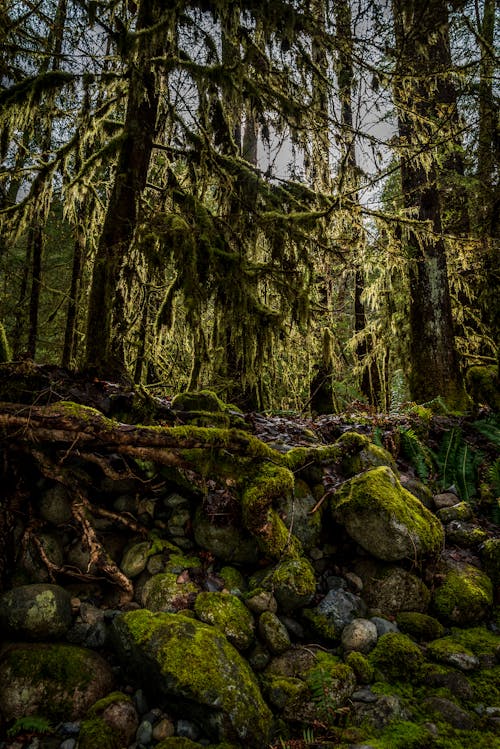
(5, 354)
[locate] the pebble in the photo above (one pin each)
(164, 729)
(144, 733)
(140, 702)
(187, 729)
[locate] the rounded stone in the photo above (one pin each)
(55, 506)
(274, 633)
(360, 635)
(37, 612)
(135, 559)
(229, 615)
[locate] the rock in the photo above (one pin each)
(58, 681)
(450, 712)
(228, 543)
(188, 729)
(274, 633)
(191, 662)
(458, 511)
(262, 601)
(36, 612)
(135, 559)
(385, 519)
(419, 626)
(163, 729)
(360, 635)
(204, 400)
(464, 596)
(295, 662)
(295, 510)
(418, 489)
(384, 625)
(464, 535)
(447, 499)
(229, 615)
(446, 650)
(118, 712)
(391, 589)
(337, 609)
(168, 591)
(293, 583)
(233, 580)
(398, 657)
(454, 681)
(490, 557)
(361, 454)
(55, 505)
(379, 714)
(362, 668)
(144, 732)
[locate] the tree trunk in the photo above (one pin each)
(434, 369)
(123, 208)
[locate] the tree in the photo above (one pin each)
(434, 366)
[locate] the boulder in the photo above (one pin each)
(385, 519)
(360, 635)
(337, 609)
(57, 681)
(465, 595)
(194, 665)
(36, 612)
(292, 581)
(390, 589)
(295, 509)
(168, 591)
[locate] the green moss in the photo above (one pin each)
(374, 504)
(490, 555)
(359, 454)
(486, 686)
(229, 615)
(65, 664)
(464, 596)
(321, 625)
(419, 626)
(397, 657)
(5, 353)
(298, 457)
(479, 640)
(361, 666)
(402, 735)
(203, 400)
(331, 683)
(101, 705)
(281, 690)
(233, 579)
(483, 386)
(95, 733)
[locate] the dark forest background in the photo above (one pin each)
(292, 203)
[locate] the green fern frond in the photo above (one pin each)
(417, 453)
(30, 724)
(489, 428)
(458, 464)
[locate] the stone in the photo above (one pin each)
(458, 511)
(361, 454)
(385, 519)
(58, 681)
(490, 557)
(188, 661)
(446, 499)
(446, 650)
(293, 583)
(274, 633)
(337, 609)
(144, 732)
(391, 589)
(36, 612)
(384, 625)
(226, 542)
(295, 510)
(55, 505)
(262, 601)
(465, 535)
(450, 712)
(386, 710)
(117, 710)
(419, 490)
(168, 591)
(135, 559)
(465, 595)
(419, 626)
(163, 729)
(397, 657)
(360, 635)
(229, 615)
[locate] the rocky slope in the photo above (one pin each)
(238, 581)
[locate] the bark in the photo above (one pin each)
(106, 318)
(69, 348)
(434, 368)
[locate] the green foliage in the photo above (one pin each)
(458, 464)
(30, 724)
(4, 346)
(416, 452)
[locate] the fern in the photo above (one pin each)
(458, 464)
(494, 480)
(489, 428)
(416, 452)
(30, 724)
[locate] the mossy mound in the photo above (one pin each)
(419, 626)
(229, 615)
(385, 519)
(361, 667)
(464, 596)
(164, 592)
(360, 454)
(59, 682)
(193, 665)
(483, 386)
(397, 657)
(292, 582)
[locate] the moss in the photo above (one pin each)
(233, 579)
(402, 735)
(203, 400)
(397, 657)
(281, 690)
(5, 353)
(359, 454)
(486, 686)
(419, 626)
(298, 457)
(490, 556)
(293, 583)
(483, 386)
(479, 640)
(331, 683)
(229, 615)
(101, 705)
(321, 625)
(361, 666)
(464, 596)
(95, 733)
(267, 483)
(374, 507)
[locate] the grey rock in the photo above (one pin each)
(340, 607)
(144, 733)
(451, 713)
(36, 612)
(384, 625)
(360, 635)
(274, 633)
(55, 505)
(187, 729)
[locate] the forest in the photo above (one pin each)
(292, 203)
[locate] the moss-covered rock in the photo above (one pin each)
(168, 591)
(483, 386)
(335, 611)
(228, 542)
(464, 596)
(229, 615)
(397, 657)
(36, 612)
(359, 454)
(385, 519)
(390, 588)
(490, 557)
(193, 664)
(419, 626)
(449, 651)
(361, 667)
(118, 712)
(292, 582)
(295, 509)
(95, 733)
(57, 681)
(273, 632)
